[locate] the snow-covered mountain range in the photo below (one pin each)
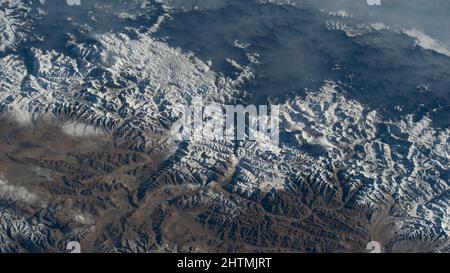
(87, 92)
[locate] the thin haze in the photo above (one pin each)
(431, 17)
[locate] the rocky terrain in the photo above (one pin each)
(87, 94)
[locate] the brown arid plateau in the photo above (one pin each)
(86, 187)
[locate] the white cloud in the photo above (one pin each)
(78, 129)
(427, 42)
(16, 193)
(73, 2)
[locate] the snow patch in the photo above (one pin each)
(427, 42)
